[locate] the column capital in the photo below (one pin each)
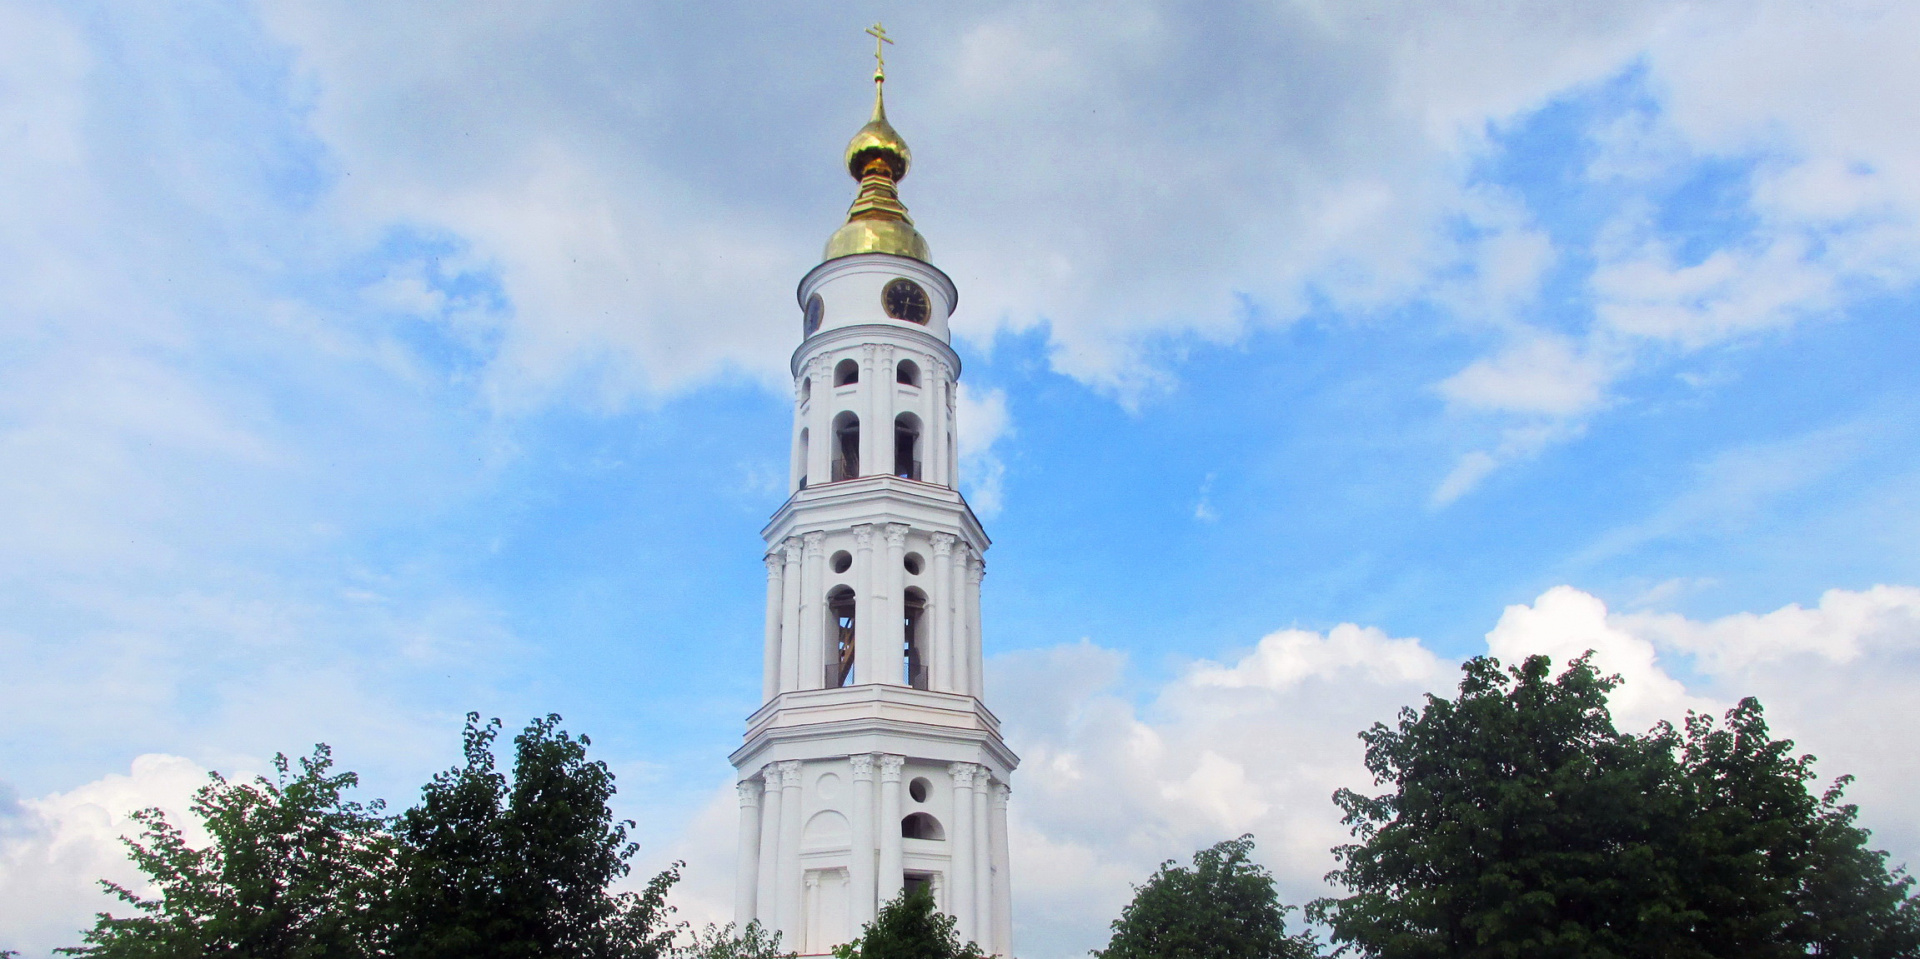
(943, 543)
(749, 792)
(813, 878)
(792, 548)
(863, 536)
(776, 560)
(976, 567)
(867, 352)
(816, 543)
(789, 774)
(1001, 791)
(896, 535)
(886, 352)
(963, 774)
(862, 767)
(890, 768)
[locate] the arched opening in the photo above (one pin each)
(906, 446)
(846, 373)
(907, 372)
(840, 638)
(846, 447)
(915, 654)
(806, 391)
(804, 460)
(922, 826)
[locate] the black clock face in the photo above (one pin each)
(905, 300)
(816, 311)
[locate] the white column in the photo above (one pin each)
(860, 870)
(940, 607)
(982, 863)
(892, 865)
(792, 922)
(870, 426)
(820, 423)
(960, 850)
(813, 611)
(790, 606)
(932, 388)
(893, 634)
(746, 860)
(961, 629)
(766, 893)
(950, 438)
(776, 599)
(885, 389)
(976, 659)
(865, 610)
(1002, 875)
(797, 460)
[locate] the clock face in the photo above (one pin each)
(816, 311)
(905, 300)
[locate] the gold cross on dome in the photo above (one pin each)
(879, 35)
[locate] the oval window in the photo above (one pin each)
(816, 311)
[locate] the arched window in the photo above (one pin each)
(806, 390)
(915, 645)
(907, 372)
(846, 373)
(906, 446)
(921, 826)
(846, 447)
(803, 458)
(840, 638)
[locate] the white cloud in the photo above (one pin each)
(982, 420)
(1844, 627)
(1544, 374)
(54, 850)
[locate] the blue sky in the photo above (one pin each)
(362, 367)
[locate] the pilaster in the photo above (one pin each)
(892, 865)
(865, 608)
(940, 610)
(860, 870)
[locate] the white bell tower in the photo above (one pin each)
(873, 762)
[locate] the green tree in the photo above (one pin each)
(1518, 824)
(1767, 868)
(1225, 907)
(1522, 823)
(751, 941)
(910, 927)
(294, 870)
(521, 869)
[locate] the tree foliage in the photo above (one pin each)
(294, 870)
(910, 927)
(520, 869)
(1225, 907)
(751, 941)
(486, 866)
(1520, 822)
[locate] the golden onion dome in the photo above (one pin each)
(878, 158)
(878, 140)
